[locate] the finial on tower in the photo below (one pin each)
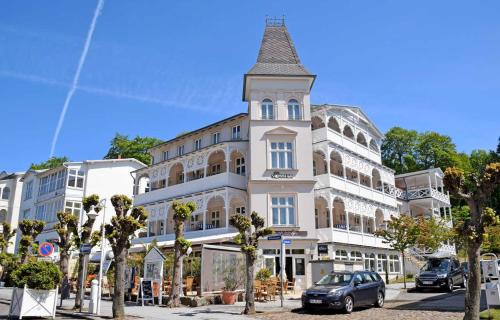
(275, 22)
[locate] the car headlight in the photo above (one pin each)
(442, 275)
(335, 293)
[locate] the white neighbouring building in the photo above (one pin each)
(46, 192)
(11, 188)
(314, 172)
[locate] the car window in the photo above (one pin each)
(338, 279)
(367, 278)
(376, 276)
(357, 277)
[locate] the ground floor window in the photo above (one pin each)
(300, 267)
(394, 264)
(356, 256)
(381, 263)
(370, 261)
(341, 255)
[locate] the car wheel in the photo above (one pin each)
(380, 300)
(464, 282)
(450, 286)
(348, 304)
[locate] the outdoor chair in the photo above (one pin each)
(189, 285)
(291, 285)
(272, 290)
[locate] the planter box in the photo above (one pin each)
(27, 302)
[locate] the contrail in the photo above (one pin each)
(74, 84)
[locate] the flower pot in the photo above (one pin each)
(27, 302)
(229, 297)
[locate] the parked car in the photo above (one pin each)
(441, 273)
(345, 290)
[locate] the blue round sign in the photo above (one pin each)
(45, 249)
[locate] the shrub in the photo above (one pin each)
(263, 274)
(39, 275)
(409, 275)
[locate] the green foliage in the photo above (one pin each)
(192, 267)
(183, 244)
(182, 211)
(9, 262)
(40, 275)
(137, 148)
(91, 201)
(398, 149)
(263, 274)
(432, 233)
(50, 163)
(5, 236)
(401, 233)
(247, 239)
(234, 274)
(30, 229)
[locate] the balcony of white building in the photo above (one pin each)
(209, 222)
(346, 172)
(346, 135)
(348, 219)
(216, 166)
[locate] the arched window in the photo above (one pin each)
(356, 256)
(348, 132)
(339, 214)
(341, 255)
(6, 193)
(334, 124)
(3, 215)
(267, 110)
(319, 163)
(293, 110)
(361, 139)
(336, 167)
(317, 123)
(374, 146)
(376, 181)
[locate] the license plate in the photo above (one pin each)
(315, 301)
(428, 282)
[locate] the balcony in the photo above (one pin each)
(423, 193)
(193, 235)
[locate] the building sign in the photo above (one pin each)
(322, 249)
(281, 175)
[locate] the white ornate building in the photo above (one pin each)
(314, 172)
(11, 188)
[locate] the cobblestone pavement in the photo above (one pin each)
(391, 311)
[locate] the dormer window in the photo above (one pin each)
(267, 110)
(293, 110)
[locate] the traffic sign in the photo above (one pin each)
(85, 248)
(45, 249)
(287, 241)
(275, 237)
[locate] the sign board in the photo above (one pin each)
(275, 237)
(48, 259)
(85, 248)
(490, 268)
(322, 249)
(46, 249)
(147, 291)
(287, 241)
(282, 175)
(105, 266)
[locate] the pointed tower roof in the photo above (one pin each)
(277, 54)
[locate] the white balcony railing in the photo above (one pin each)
(422, 193)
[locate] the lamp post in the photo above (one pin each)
(91, 215)
(102, 204)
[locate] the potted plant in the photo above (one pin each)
(35, 292)
(263, 274)
(233, 279)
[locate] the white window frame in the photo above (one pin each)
(215, 137)
(236, 132)
(180, 150)
(73, 207)
(240, 210)
(29, 190)
(287, 153)
(294, 110)
(267, 109)
(215, 218)
(79, 175)
(279, 205)
(61, 179)
(197, 144)
(165, 155)
(239, 166)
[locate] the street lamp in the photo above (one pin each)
(102, 204)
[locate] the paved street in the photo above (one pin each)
(433, 305)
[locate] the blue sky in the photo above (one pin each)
(157, 68)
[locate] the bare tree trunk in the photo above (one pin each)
(473, 293)
(64, 266)
(79, 281)
(119, 292)
(175, 296)
(249, 297)
(404, 268)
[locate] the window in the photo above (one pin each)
(367, 277)
(6, 193)
(75, 178)
(316, 218)
(298, 251)
(283, 209)
(180, 150)
(73, 207)
(293, 110)
(26, 214)
(370, 261)
(197, 144)
(381, 263)
(216, 169)
(236, 133)
(300, 267)
(240, 166)
(40, 212)
(394, 263)
(267, 110)
(240, 210)
(356, 256)
(52, 182)
(61, 177)
(29, 190)
(215, 137)
(44, 186)
(341, 255)
(215, 215)
(281, 155)
(165, 155)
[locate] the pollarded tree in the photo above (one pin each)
(182, 212)
(401, 234)
(85, 237)
(30, 229)
(476, 187)
(123, 226)
(67, 229)
(250, 231)
(5, 236)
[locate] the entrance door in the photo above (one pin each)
(289, 268)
